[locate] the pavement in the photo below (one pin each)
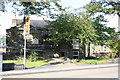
(56, 68)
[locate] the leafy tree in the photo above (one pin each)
(40, 8)
(102, 31)
(68, 27)
(104, 6)
(114, 45)
(14, 38)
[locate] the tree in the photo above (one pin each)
(102, 31)
(14, 42)
(114, 45)
(39, 8)
(104, 7)
(70, 26)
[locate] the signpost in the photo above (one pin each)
(26, 32)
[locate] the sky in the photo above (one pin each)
(6, 17)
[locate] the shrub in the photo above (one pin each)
(108, 56)
(76, 60)
(33, 56)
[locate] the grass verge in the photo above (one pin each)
(83, 61)
(28, 63)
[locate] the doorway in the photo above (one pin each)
(62, 54)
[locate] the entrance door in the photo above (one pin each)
(63, 54)
(75, 54)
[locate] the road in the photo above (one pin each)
(111, 72)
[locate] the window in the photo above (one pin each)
(75, 54)
(76, 44)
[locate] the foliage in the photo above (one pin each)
(108, 56)
(21, 51)
(14, 42)
(76, 60)
(99, 8)
(33, 56)
(80, 25)
(40, 8)
(103, 32)
(68, 26)
(107, 7)
(114, 45)
(14, 38)
(28, 64)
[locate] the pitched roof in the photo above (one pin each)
(34, 23)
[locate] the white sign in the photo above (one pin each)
(35, 41)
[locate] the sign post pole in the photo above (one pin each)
(26, 32)
(24, 51)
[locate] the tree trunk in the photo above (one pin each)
(88, 50)
(84, 51)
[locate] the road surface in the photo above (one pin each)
(111, 72)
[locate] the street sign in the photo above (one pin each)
(35, 41)
(27, 26)
(26, 32)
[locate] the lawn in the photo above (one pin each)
(28, 63)
(92, 61)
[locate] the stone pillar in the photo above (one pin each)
(1, 59)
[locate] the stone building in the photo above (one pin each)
(36, 41)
